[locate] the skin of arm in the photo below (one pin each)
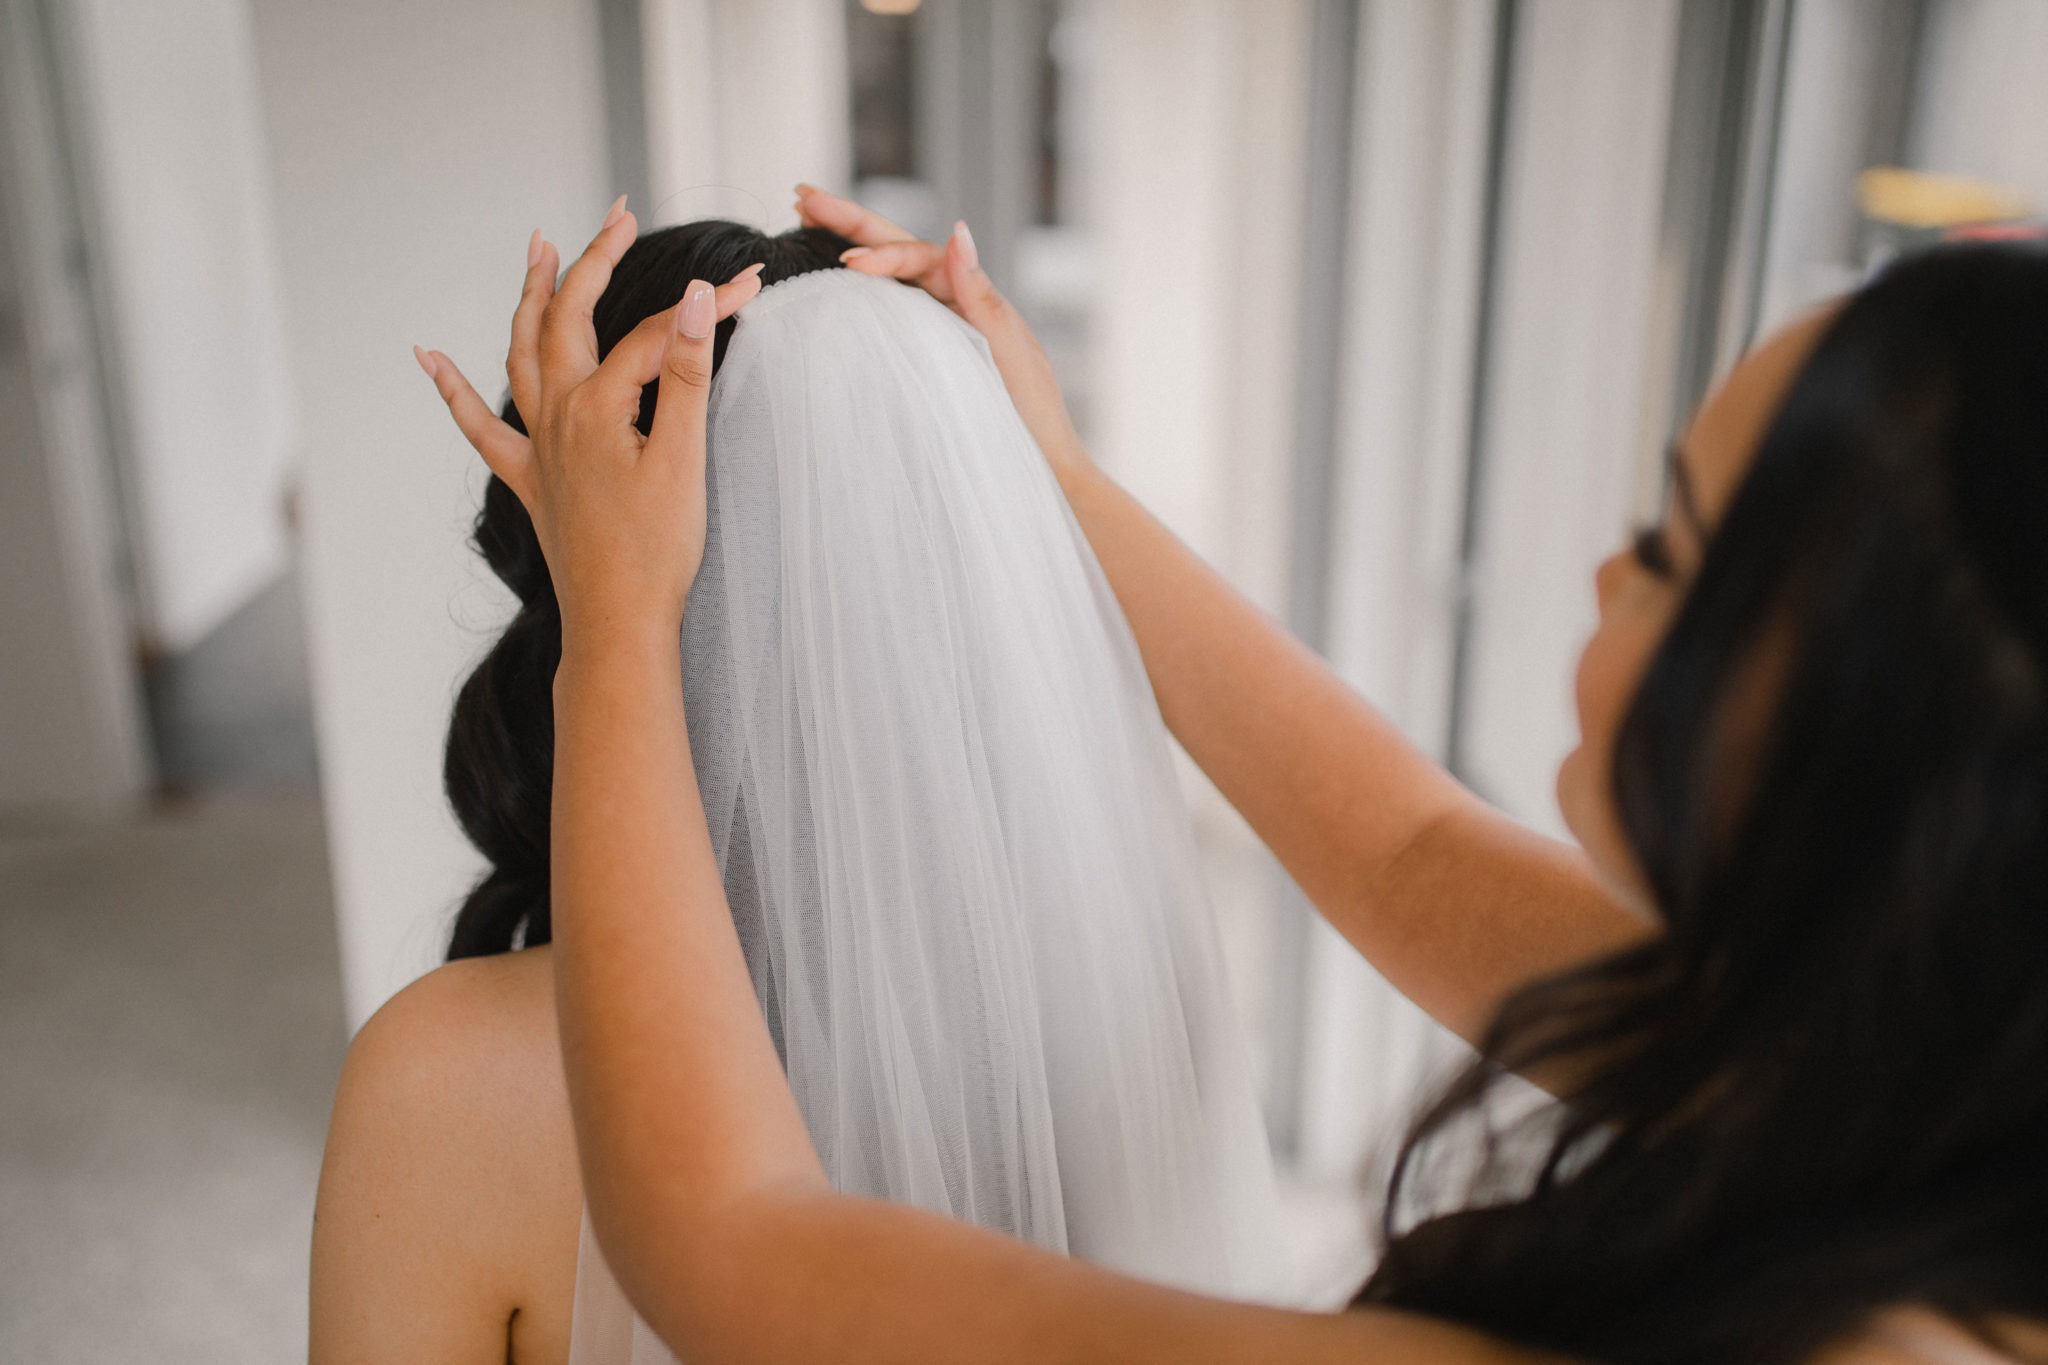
(1453, 902)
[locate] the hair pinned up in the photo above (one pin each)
(500, 760)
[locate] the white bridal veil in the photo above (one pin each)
(940, 793)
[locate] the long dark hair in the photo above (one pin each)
(500, 761)
(1823, 1089)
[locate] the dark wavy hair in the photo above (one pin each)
(500, 761)
(1823, 1089)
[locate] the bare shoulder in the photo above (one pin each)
(476, 1020)
(449, 1203)
(1915, 1336)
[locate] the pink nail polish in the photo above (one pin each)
(854, 252)
(966, 240)
(618, 211)
(533, 250)
(698, 312)
(426, 362)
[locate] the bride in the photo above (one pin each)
(942, 807)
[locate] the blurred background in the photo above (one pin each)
(1388, 307)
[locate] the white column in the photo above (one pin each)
(682, 104)
(1195, 201)
(1161, 203)
(1586, 125)
(1199, 122)
(414, 148)
(182, 207)
(744, 99)
(71, 730)
(1411, 308)
(1823, 139)
(1568, 434)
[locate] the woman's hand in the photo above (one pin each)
(620, 517)
(952, 274)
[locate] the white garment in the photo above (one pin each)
(940, 794)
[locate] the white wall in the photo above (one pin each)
(413, 149)
(182, 207)
(1984, 102)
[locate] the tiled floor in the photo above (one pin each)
(170, 1031)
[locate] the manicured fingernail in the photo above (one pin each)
(618, 211)
(966, 241)
(804, 189)
(426, 362)
(754, 269)
(533, 250)
(699, 311)
(855, 251)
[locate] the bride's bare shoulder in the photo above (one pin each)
(469, 1040)
(489, 1011)
(1918, 1336)
(449, 1203)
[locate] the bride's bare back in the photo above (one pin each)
(449, 1204)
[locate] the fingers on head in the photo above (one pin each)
(678, 433)
(522, 361)
(905, 260)
(686, 364)
(578, 292)
(974, 294)
(639, 356)
(848, 219)
(734, 293)
(681, 402)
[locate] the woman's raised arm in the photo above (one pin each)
(1453, 902)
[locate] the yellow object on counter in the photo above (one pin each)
(1924, 199)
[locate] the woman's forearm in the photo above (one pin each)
(679, 1099)
(1453, 902)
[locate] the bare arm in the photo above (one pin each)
(702, 1184)
(1456, 904)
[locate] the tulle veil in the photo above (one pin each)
(941, 796)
